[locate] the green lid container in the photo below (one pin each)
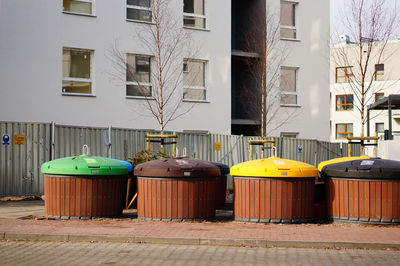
(84, 165)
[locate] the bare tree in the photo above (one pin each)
(370, 24)
(262, 95)
(167, 44)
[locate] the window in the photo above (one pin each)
(344, 130)
(288, 20)
(344, 74)
(77, 71)
(379, 96)
(291, 135)
(138, 76)
(379, 71)
(194, 14)
(288, 86)
(78, 6)
(344, 102)
(194, 80)
(139, 10)
(379, 127)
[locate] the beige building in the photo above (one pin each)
(382, 79)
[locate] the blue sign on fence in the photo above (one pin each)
(299, 149)
(6, 139)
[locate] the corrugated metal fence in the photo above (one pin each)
(20, 161)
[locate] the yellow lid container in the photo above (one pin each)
(339, 160)
(274, 167)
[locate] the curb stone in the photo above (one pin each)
(196, 241)
(101, 238)
(167, 240)
(42, 237)
(234, 242)
(299, 244)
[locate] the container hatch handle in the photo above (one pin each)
(85, 150)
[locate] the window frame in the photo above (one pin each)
(376, 127)
(345, 104)
(296, 92)
(377, 94)
(347, 77)
(345, 132)
(292, 135)
(194, 15)
(92, 14)
(137, 83)
(203, 88)
(139, 8)
(295, 22)
(379, 73)
(88, 80)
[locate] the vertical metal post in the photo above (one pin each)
(376, 146)
(174, 146)
(349, 149)
(147, 142)
(368, 124)
(390, 118)
(262, 149)
(273, 148)
(109, 150)
(52, 141)
(251, 150)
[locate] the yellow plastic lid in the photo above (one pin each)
(274, 167)
(339, 160)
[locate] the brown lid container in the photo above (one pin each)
(177, 167)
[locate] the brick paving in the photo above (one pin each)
(203, 230)
(225, 229)
(81, 253)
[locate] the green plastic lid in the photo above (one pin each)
(84, 165)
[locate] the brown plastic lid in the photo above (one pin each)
(177, 167)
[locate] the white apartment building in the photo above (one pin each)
(55, 64)
(304, 29)
(345, 107)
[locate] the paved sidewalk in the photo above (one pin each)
(26, 220)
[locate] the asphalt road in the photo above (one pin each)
(104, 253)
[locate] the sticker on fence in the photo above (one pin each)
(19, 139)
(300, 149)
(217, 146)
(6, 139)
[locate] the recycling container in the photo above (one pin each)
(363, 190)
(320, 191)
(274, 190)
(84, 187)
(176, 189)
(131, 180)
(221, 184)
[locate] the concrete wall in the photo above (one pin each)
(310, 53)
(33, 34)
(389, 149)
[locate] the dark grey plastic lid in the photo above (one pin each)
(373, 168)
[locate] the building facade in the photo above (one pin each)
(302, 98)
(56, 64)
(383, 75)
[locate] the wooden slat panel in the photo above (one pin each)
(274, 211)
(285, 201)
(257, 199)
(251, 199)
(263, 200)
(387, 196)
(158, 197)
(396, 200)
